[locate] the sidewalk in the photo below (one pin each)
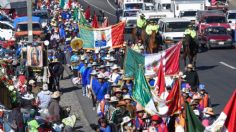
(69, 98)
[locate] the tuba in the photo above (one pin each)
(76, 44)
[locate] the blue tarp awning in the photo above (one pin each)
(25, 19)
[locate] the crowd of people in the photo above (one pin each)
(100, 74)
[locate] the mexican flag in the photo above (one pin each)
(170, 60)
(112, 36)
(151, 62)
(226, 122)
(142, 93)
(193, 124)
(132, 61)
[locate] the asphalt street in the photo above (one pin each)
(216, 68)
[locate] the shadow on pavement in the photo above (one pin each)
(94, 126)
(202, 68)
(65, 90)
(214, 105)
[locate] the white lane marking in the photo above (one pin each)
(225, 64)
(99, 8)
(108, 1)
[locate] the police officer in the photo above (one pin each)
(141, 22)
(191, 32)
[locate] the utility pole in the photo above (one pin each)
(29, 14)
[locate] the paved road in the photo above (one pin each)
(216, 68)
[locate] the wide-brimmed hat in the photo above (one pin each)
(139, 108)
(126, 119)
(125, 78)
(121, 103)
(31, 81)
(112, 59)
(93, 72)
(197, 97)
(107, 65)
(94, 64)
(28, 96)
(101, 67)
(190, 66)
(100, 76)
(202, 87)
(113, 99)
(118, 90)
(111, 50)
(208, 110)
(115, 67)
(56, 94)
(107, 58)
(127, 97)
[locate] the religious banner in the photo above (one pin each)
(34, 56)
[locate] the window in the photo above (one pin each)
(176, 26)
(24, 27)
(188, 13)
(5, 26)
(232, 16)
(216, 30)
(215, 19)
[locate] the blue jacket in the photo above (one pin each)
(84, 76)
(88, 75)
(102, 91)
(95, 86)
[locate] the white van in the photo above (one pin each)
(6, 31)
(172, 29)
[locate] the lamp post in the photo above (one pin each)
(30, 27)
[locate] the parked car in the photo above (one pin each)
(231, 18)
(211, 19)
(216, 36)
(6, 31)
(172, 29)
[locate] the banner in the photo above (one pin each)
(170, 60)
(112, 36)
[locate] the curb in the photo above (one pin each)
(86, 126)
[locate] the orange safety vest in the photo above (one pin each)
(204, 101)
(102, 106)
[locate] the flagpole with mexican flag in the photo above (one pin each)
(226, 122)
(142, 93)
(193, 124)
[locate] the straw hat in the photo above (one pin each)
(190, 66)
(56, 94)
(101, 67)
(209, 110)
(113, 99)
(82, 58)
(118, 90)
(127, 97)
(112, 59)
(125, 78)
